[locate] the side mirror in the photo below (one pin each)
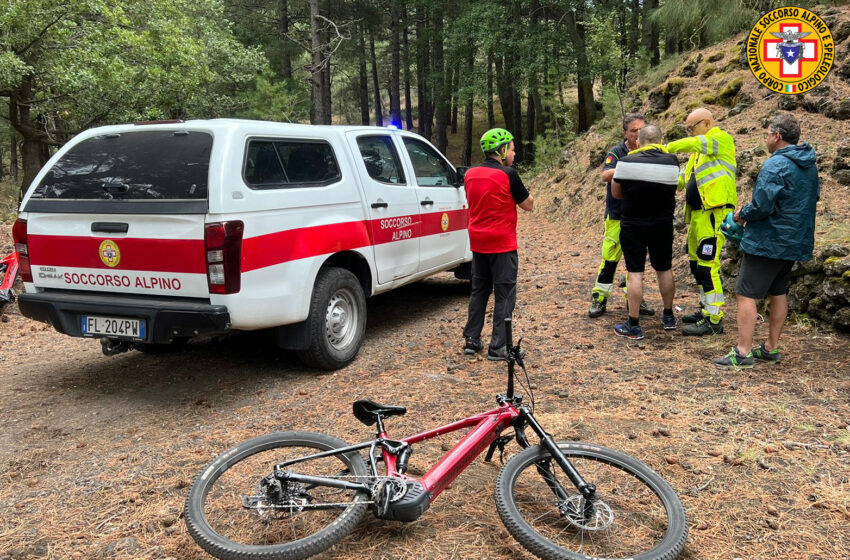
(461, 172)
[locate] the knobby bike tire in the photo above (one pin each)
(618, 478)
(225, 547)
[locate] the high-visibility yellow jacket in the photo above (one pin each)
(713, 162)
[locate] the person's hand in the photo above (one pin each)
(737, 218)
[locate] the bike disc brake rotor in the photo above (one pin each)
(599, 517)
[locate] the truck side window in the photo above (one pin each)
(430, 168)
(289, 163)
(380, 158)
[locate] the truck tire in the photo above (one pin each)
(337, 320)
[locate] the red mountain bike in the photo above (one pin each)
(291, 495)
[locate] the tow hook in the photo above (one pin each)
(112, 346)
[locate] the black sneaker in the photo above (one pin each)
(762, 353)
(668, 322)
(497, 354)
(694, 317)
(473, 346)
(644, 309)
(598, 307)
(703, 327)
(735, 361)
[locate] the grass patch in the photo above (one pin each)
(805, 427)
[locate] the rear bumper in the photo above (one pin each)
(167, 318)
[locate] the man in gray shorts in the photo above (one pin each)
(780, 229)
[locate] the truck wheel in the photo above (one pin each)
(337, 320)
(463, 271)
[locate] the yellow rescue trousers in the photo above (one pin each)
(705, 241)
(612, 252)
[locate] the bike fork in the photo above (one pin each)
(587, 489)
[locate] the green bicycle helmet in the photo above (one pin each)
(494, 139)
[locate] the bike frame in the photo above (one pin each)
(486, 428)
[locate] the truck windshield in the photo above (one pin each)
(145, 165)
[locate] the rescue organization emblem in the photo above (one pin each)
(109, 253)
(444, 221)
(790, 50)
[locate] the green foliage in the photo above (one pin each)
(278, 101)
(8, 201)
(703, 22)
(96, 61)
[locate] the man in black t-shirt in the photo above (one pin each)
(611, 249)
(646, 181)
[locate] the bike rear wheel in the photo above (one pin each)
(640, 516)
(281, 527)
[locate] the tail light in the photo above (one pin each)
(223, 246)
(19, 234)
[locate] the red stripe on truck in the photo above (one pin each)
(153, 255)
(187, 255)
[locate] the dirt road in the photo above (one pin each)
(96, 453)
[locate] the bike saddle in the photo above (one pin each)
(368, 411)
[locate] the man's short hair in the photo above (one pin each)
(630, 117)
(650, 134)
(787, 126)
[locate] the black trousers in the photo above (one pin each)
(492, 272)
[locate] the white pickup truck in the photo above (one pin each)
(148, 235)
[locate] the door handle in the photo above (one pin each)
(109, 227)
(426, 202)
(380, 205)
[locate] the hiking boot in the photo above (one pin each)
(762, 353)
(736, 361)
(668, 322)
(644, 308)
(632, 333)
(598, 307)
(473, 346)
(694, 317)
(702, 327)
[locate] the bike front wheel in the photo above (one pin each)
(638, 514)
(237, 511)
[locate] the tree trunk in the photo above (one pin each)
(441, 96)
(650, 33)
(454, 95)
(519, 145)
(586, 103)
(364, 79)
(421, 70)
(282, 30)
(13, 157)
(505, 99)
(491, 116)
(408, 102)
(468, 111)
(318, 112)
(379, 113)
(671, 43)
(634, 29)
(326, 76)
(31, 136)
(395, 68)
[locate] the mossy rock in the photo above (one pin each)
(715, 57)
(692, 105)
(709, 99)
(727, 95)
(689, 70)
(708, 71)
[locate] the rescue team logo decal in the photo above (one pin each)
(109, 253)
(790, 50)
(444, 221)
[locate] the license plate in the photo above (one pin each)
(113, 326)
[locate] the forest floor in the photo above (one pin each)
(97, 453)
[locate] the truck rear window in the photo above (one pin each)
(145, 165)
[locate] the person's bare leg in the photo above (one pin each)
(667, 287)
(778, 314)
(635, 293)
(747, 315)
